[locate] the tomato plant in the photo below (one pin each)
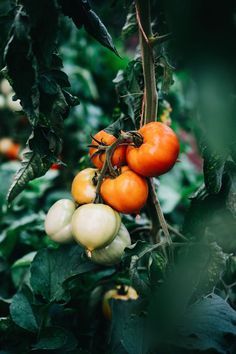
(117, 171)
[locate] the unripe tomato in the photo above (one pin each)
(118, 158)
(9, 149)
(112, 253)
(122, 293)
(14, 106)
(83, 189)
(5, 87)
(158, 152)
(126, 193)
(95, 225)
(2, 101)
(58, 221)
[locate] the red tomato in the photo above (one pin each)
(158, 152)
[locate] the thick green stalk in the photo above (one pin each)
(145, 32)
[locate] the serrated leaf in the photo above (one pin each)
(209, 324)
(43, 17)
(82, 15)
(22, 66)
(35, 163)
(130, 27)
(129, 85)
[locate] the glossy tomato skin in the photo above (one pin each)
(95, 225)
(119, 156)
(112, 253)
(158, 152)
(129, 294)
(126, 193)
(83, 189)
(58, 221)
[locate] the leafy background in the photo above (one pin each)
(50, 296)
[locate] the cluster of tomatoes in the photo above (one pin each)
(97, 226)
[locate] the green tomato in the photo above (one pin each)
(112, 253)
(95, 225)
(58, 221)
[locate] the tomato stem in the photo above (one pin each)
(145, 32)
(124, 138)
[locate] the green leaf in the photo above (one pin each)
(51, 268)
(82, 15)
(22, 311)
(37, 158)
(20, 269)
(213, 169)
(43, 18)
(128, 323)
(130, 27)
(209, 324)
(22, 66)
(129, 85)
(52, 338)
(9, 236)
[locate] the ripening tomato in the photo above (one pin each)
(83, 187)
(126, 193)
(9, 148)
(95, 225)
(118, 158)
(58, 221)
(122, 293)
(112, 253)
(158, 152)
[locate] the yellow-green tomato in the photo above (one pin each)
(58, 221)
(112, 253)
(83, 189)
(95, 225)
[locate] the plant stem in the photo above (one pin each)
(150, 107)
(145, 32)
(124, 138)
(159, 213)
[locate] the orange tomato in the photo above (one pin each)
(158, 152)
(83, 189)
(126, 193)
(118, 158)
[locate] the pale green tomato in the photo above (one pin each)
(5, 87)
(2, 101)
(58, 221)
(95, 225)
(112, 253)
(14, 106)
